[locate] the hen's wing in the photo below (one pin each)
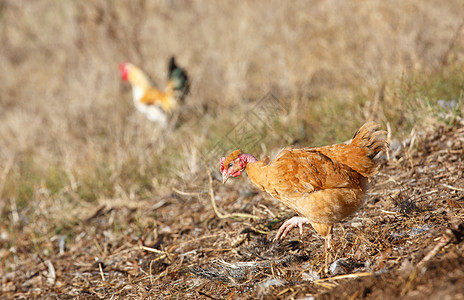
(152, 96)
(301, 171)
(156, 97)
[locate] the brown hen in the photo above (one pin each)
(323, 185)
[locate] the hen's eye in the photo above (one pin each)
(230, 165)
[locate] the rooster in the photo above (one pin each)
(323, 185)
(156, 104)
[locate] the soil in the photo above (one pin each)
(405, 243)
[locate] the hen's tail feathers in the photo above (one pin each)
(371, 139)
(179, 79)
(367, 142)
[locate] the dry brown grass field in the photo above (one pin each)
(98, 202)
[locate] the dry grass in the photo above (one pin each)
(72, 140)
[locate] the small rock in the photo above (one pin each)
(340, 266)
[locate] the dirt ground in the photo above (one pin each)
(405, 243)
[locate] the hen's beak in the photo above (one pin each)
(225, 176)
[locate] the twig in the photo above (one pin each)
(101, 271)
(388, 212)
(121, 249)
(51, 276)
(326, 285)
(185, 193)
(452, 187)
(213, 202)
(151, 276)
(430, 255)
(285, 291)
(260, 231)
(344, 276)
(268, 211)
(446, 238)
(152, 250)
(218, 250)
(163, 255)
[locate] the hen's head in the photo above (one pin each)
(124, 70)
(232, 165)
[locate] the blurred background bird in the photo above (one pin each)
(157, 105)
(323, 185)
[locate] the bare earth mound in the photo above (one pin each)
(406, 242)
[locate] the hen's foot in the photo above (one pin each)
(289, 225)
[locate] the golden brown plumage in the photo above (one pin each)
(323, 185)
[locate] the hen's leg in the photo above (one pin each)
(328, 246)
(328, 240)
(289, 225)
(326, 231)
